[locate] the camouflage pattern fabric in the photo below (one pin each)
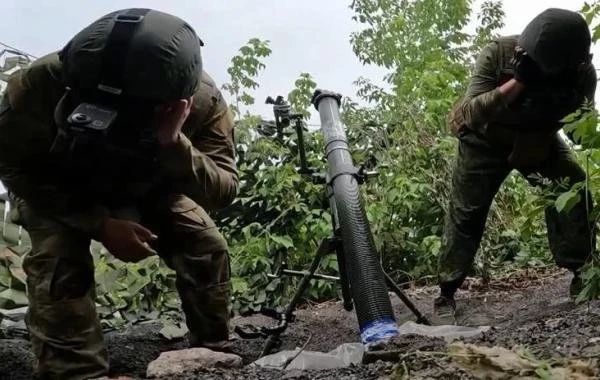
(480, 169)
(60, 277)
(495, 138)
(195, 176)
(535, 113)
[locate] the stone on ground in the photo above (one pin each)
(172, 363)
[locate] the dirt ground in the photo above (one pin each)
(529, 308)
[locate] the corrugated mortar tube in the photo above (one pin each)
(367, 282)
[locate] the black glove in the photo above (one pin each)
(526, 70)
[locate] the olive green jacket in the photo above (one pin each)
(528, 122)
(201, 165)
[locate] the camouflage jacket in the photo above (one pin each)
(201, 166)
(536, 112)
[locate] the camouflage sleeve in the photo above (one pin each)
(25, 168)
(202, 165)
(483, 99)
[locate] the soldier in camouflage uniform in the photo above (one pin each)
(136, 199)
(521, 87)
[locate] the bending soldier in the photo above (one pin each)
(120, 137)
(521, 87)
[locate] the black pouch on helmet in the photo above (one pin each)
(102, 131)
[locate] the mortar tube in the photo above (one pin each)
(367, 281)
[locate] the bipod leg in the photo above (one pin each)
(396, 289)
(326, 247)
(344, 283)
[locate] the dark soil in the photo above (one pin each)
(530, 308)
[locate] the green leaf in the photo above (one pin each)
(273, 285)
(586, 7)
(5, 276)
(596, 34)
(172, 330)
(262, 297)
(138, 284)
(566, 201)
(13, 298)
(19, 274)
(284, 241)
(239, 285)
(172, 300)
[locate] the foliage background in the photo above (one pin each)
(399, 130)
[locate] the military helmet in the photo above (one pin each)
(135, 53)
(556, 39)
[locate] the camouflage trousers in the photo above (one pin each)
(479, 171)
(63, 324)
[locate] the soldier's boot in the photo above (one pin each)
(65, 331)
(576, 285)
(193, 246)
(444, 307)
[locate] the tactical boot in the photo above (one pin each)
(226, 346)
(576, 285)
(444, 307)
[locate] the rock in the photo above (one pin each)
(177, 362)
(554, 323)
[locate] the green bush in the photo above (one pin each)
(398, 129)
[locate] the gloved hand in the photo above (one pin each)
(526, 70)
(126, 240)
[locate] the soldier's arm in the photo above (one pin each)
(25, 170)
(203, 165)
(484, 99)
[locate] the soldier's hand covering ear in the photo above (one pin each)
(168, 120)
(126, 240)
(526, 70)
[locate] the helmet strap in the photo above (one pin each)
(115, 51)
